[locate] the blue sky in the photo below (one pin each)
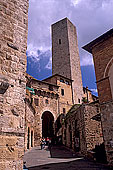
(91, 18)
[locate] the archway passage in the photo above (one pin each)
(47, 124)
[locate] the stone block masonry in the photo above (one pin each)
(80, 131)
(13, 45)
(102, 51)
(65, 56)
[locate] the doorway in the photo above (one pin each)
(47, 124)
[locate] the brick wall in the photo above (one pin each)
(102, 53)
(103, 61)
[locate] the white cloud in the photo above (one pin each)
(86, 60)
(91, 17)
(94, 90)
(49, 65)
(75, 2)
(32, 51)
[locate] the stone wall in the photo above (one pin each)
(102, 54)
(80, 131)
(65, 56)
(65, 100)
(93, 129)
(102, 50)
(29, 125)
(110, 74)
(43, 100)
(13, 45)
(107, 125)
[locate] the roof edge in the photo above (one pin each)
(88, 47)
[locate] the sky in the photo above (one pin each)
(91, 18)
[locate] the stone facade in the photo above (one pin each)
(29, 124)
(102, 50)
(88, 97)
(44, 99)
(58, 104)
(65, 99)
(80, 131)
(13, 45)
(65, 56)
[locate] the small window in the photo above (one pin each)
(31, 138)
(67, 82)
(31, 100)
(64, 110)
(36, 101)
(50, 87)
(46, 101)
(78, 100)
(62, 80)
(59, 41)
(39, 92)
(62, 92)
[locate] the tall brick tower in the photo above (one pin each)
(65, 55)
(13, 44)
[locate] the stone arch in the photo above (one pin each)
(110, 63)
(47, 124)
(110, 74)
(49, 109)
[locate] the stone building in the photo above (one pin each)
(102, 50)
(65, 56)
(48, 101)
(54, 95)
(81, 130)
(13, 45)
(88, 97)
(41, 110)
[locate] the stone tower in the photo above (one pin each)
(13, 44)
(65, 56)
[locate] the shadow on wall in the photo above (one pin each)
(100, 153)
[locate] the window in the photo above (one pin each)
(31, 138)
(36, 101)
(62, 92)
(62, 80)
(39, 92)
(59, 41)
(31, 100)
(28, 140)
(78, 100)
(46, 101)
(64, 110)
(51, 87)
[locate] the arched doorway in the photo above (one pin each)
(47, 124)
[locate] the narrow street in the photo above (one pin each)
(59, 158)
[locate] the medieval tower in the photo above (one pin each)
(65, 56)
(13, 45)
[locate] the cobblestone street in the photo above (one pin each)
(59, 158)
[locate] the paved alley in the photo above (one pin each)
(59, 158)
